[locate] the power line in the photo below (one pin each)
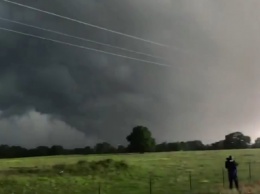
(87, 24)
(79, 38)
(83, 47)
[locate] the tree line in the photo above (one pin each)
(140, 141)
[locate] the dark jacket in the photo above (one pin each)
(231, 166)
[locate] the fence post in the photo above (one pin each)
(99, 188)
(223, 177)
(190, 180)
(150, 184)
(249, 169)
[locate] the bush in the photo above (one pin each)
(81, 167)
(85, 167)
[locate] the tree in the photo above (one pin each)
(162, 147)
(88, 150)
(140, 140)
(16, 151)
(175, 146)
(219, 145)
(42, 151)
(257, 143)
(169, 147)
(194, 145)
(183, 146)
(104, 148)
(56, 150)
(121, 149)
(236, 140)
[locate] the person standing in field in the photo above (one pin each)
(231, 166)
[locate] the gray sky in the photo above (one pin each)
(54, 94)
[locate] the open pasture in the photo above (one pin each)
(156, 173)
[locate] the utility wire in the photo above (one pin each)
(79, 38)
(87, 24)
(82, 47)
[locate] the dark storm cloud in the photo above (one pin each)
(70, 92)
(101, 96)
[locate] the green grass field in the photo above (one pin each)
(165, 173)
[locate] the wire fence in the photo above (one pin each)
(209, 180)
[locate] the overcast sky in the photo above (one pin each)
(56, 94)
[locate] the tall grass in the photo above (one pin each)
(181, 172)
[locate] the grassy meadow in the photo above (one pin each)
(157, 173)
